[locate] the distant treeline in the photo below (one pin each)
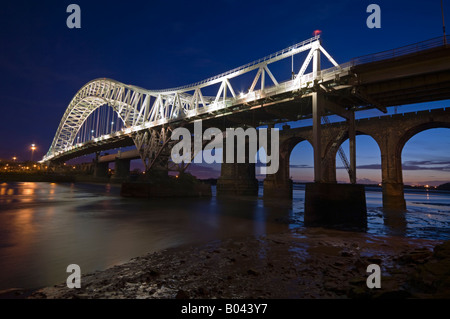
(445, 187)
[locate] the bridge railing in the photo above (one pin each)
(408, 49)
(266, 58)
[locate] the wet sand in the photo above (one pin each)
(300, 264)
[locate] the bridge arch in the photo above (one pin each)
(416, 130)
(331, 152)
(123, 100)
(306, 148)
(429, 165)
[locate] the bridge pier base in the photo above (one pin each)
(160, 185)
(121, 170)
(274, 188)
(237, 179)
(393, 196)
(335, 205)
(101, 170)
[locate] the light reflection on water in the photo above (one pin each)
(45, 226)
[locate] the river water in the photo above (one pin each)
(44, 227)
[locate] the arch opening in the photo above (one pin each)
(103, 120)
(301, 161)
(425, 157)
(368, 161)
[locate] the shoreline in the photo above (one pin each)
(300, 264)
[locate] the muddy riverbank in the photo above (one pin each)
(308, 263)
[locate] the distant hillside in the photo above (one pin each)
(445, 186)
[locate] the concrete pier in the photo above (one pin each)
(237, 179)
(121, 170)
(328, 204)
(393, 196)
(274, 188)
(101, 170)
(160, 186)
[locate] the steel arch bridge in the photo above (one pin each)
(148, 116)
(411, 74)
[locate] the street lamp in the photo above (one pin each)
(33, 148)
(14, 159)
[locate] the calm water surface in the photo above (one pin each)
(45, 226)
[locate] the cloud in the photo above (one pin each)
(428, 162)
(426, 165)
(369, 166)
(300, 166)
(366, 181)
(412, 166)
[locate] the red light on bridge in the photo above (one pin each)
(317, 32)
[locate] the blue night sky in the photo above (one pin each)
(162, 44)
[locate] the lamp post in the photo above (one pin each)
(33, 148)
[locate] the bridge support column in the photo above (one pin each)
(279, 185)
(326, 202)
(393, 196)
(276, 186)
(352, 140)
(101, 170)
(121, 170)
(237, 178)
(158, 184)
(335, 205)
(329, 170)
(392, 176)
(317, 110)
